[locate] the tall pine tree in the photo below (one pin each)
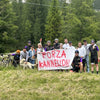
(7, 27)
(53, 27)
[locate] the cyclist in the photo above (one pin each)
(29, 46)
(94, 56)
(49, 47)
(16, 59)
(77, 62)
(56, 44)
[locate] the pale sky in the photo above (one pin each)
(23, 1)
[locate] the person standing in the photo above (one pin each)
(32, 55)
(66, 45)
(70, 45)
(56, 44)
(49, 47)
(40, 48)
(82, 54)
(61, 45)
(94, 56)
(86, 46)
(29, 46)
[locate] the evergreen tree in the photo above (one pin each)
(53, 27)
(80, 21)
(36, 14)
(7, 27)
(20, 10)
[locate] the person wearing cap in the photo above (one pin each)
(29, 45)
(82, 54)
(45, 47)
(86, 46)
(24, 55)
(49, 47)
(77, 62)
(16, 59)
(31, 55)
(56, 44)
(94, 56)
(70, 45)
(66, 45)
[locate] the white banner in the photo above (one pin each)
(56, 59)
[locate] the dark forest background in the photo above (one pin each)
(47, 19)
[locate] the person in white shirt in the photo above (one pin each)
(66, 45)
(40, 48)
(86, 46)
(61, 45)
(70, 45)
(82, 54)
(24, 55)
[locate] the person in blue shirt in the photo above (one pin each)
(31, 55)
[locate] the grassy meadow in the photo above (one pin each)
(19, 84)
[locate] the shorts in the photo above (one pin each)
(83, 61)
(94, 60)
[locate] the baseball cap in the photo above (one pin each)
(76, 51)
(84, 41)
(70, 42)
(29, 41)
(56, 39)
(92, 41)
(48, 41)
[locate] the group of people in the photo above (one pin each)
(80, 60)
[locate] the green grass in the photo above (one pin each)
(19, 84)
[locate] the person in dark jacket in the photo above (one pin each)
(94, 56)
(56, 44)
(77, 62)
(16, 59)
(49, 47)
(29, 46)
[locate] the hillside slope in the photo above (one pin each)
(48, 85)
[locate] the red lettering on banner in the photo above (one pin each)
(53, 54)
(67, 63)
(58, 53)
(63, 62)
(63, 54)
(44, 64)
(48, 54)
(40, 64)
(52, 63)
(43, 54)
(56, 63)
(59, 63)
(48, 63)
